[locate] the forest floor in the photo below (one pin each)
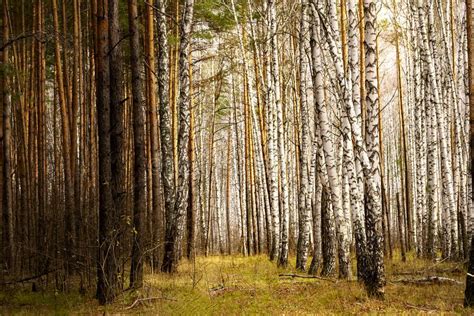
(237, 285)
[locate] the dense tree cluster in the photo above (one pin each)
(136, 133)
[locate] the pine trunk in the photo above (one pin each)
(107, 269)
(139, 168)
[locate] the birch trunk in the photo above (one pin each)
(303, 194)
(375, 278)
(447, 175)
(469, 292)
(335, 183)
(351, 166)
(174, 227)
(280, 135)
(327, 221)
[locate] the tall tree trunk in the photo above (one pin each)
(139, 178)
(211, 174)
(240, 186)
(353, 167)
(107, 269)
(329, 148)
(117, 119)
(446, 165)
(327, 220)
(375, 277)
(280, 139)
(6, 138)
(433, 183)
(190, 212)
(469, 292)
(167, 168)
(174, 226)
(272, 157)
(304, 202)
(68, 188)
(228, 189)
(156, 208)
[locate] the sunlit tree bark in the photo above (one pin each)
(174, 224)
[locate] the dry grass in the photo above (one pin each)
(236, 285)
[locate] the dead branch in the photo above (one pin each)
(219, 290)
(306, 277)
(146, 299)
(419, 308)
(455, 270)
(30, 278)
(429, 280)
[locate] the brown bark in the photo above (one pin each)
(211, 175)
(107, 269)
(139, 177)
(401, 222)
(157, 225)
(41, 144)
(6, 168)
(68, 189)
(117, 113)
(469, 292)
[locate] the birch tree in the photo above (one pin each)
(175, 222)
(375, 274)
(469, 292)
(303, 198)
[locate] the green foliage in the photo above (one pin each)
(223, 107)
(172, 39)
(216, 13)
(205, 35)
(6, 70)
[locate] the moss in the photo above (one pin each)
(236, 285)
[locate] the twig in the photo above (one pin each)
(420, 308)
(305, 277)
(141, 300)
(13, 40)
(216, 291)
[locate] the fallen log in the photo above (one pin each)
(455, 270)
(429, 280)
(302, 276)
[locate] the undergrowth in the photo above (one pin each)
(233, 285)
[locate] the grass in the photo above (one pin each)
(237, 285)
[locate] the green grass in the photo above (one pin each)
(237, 285)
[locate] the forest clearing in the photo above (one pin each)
(235, 285)
(236, 156)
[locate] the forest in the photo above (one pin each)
(203, 157)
